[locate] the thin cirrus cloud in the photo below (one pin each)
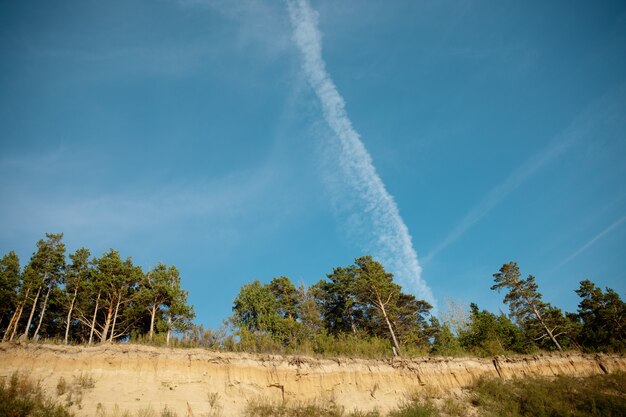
(591, 242)
(606, 108)
(389, 237)
(119, 209)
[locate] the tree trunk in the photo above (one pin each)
(43, 310)
(17, 316)
(117, 308)
(10, 326)
(169, 329)
(154, 308)
(107, 323)
(14, 318)
(545, 327)
(393, 334)
(93, 321)
(32, 312)
(69, 315)
(17, 321)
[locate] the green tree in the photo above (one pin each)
(375, 288)
(336, 298)
(78, 274)
(44, 272)
(255, 308)
(117, 283)
(286, 296)
(362, 298)
(179, 313)
(408, 316)
(488, 334)
(277, 313)
(603, 316)
(444, 340)
(155, 293)
(10, 277)
(526, 306)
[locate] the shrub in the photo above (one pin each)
(20, 397)
(598, 396)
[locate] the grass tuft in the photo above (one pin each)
(21, 397)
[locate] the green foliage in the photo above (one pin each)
(362, 298)
(144, 412)
(41, 276)
(286, 296)
(10, 276)
(103, 299)
(352, 345)
(489, 335)
(603, 316)
(598, 396)
(268, 409)
(445, 343)
(358, 310)
(255, 308)
(20, 397)
(415, 409)
(538, 319)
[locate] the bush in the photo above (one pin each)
(598, 396)
(415, 409)
(352, 346)
(260, 409)
(20, 397)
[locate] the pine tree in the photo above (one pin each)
(525, 304)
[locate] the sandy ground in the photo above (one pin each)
(196, 382)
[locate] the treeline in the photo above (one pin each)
(86, 299)
(358, 309)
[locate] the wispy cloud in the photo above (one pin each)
(591, 242)
(115, 212)
(602, 109)
(499, 193)
(390, 240)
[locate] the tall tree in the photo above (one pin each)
(375, 286)
(155, 293)
(336, 298)
(44, 272)
(488, 334)
(78, 274)
(525, 302)
(179, 314)
(287, 297)
(116, 282)
(255, 308)
(126, 315)
(603, 315)
(408, 315)
(9, 290)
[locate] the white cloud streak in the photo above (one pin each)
(390, 239)
(586, 246)
(605, 108)
(499, 193)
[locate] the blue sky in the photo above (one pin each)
(190, 132)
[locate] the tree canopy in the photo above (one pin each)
(357, 309)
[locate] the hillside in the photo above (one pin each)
(200, 382)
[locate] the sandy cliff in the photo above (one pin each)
(199, 382)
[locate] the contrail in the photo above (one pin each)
(599, 236)
(607, 107)
(391, 241)
(498, 193)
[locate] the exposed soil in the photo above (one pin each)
(196, 382)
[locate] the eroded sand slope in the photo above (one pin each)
(199, 382)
